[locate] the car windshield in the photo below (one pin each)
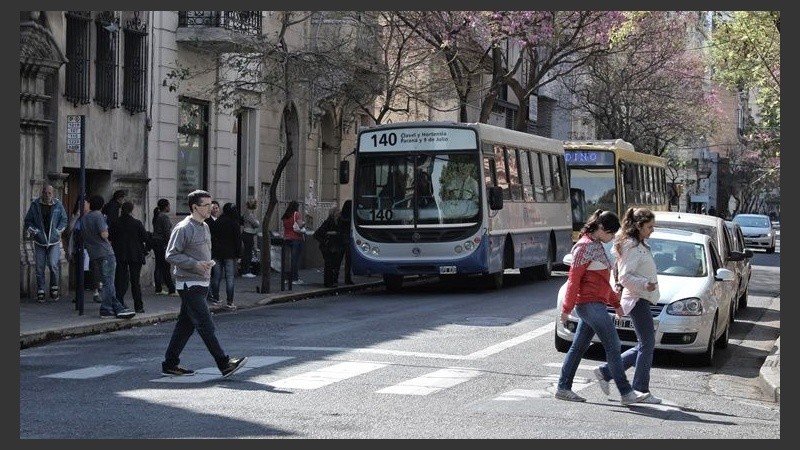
(683, 259)
(693, 227)
(754, 222)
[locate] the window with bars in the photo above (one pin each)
(78, 49)
(134, 75)
(106, 89)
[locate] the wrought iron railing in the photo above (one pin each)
(247, 22)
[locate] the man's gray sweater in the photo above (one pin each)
(189, 243)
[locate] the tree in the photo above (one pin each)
(651, 87)
(746, 57)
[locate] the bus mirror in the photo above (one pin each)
(344, 172)
(495, 197)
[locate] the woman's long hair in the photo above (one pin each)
(631, 220)
(290, 209)
(607, 219)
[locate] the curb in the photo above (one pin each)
(770, 373)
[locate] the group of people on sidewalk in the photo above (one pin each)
(589, 292)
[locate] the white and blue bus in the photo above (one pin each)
(457, 199)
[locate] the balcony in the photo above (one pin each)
(225, 31)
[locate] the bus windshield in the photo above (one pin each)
(417, 189)
(597, 186)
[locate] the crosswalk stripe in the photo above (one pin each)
(327, 375)
(432, 382)
(87, 372)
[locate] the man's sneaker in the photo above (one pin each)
(54, 294)
(568, 395)
(125, 314)
(40, 296)
(96, 297)
(106, 315)
(651, 399)
(248, 275)
(174, 294)
(176, 371)
(633, 397)
(234, 364)
(298, 281)
(601, 381)
(231, 306)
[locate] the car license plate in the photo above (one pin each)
(624, 322)
(447, 270)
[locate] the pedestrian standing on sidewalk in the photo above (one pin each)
(225, 250)
(189, 250)
(294, 234)
(162, 227)
(637, 274)
(94, 231)
(213, 291)
(588, 292)
(45, 220)
(130, 247)
(330, 245)
(345, 220)
(250, 228)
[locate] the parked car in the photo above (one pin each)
(693, 315)
(715, 228)
(743, 266)
(758, 231)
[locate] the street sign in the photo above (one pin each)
(75, 133)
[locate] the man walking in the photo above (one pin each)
(189, 251)
(45, 220)
(94, 231)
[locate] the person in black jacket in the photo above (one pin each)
(225, 250)
(331, 246)
(131, 243)
(345, 220)
(162, 227)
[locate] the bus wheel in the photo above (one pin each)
(545, 271)
(393, 282)
(528, 273)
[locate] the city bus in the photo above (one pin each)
(454, 199)
(611, 175)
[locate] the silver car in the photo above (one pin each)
(757, 230)
(694, 313)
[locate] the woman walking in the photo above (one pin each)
(588, 292)
(162, 227)
(637, 275)
(250, 229)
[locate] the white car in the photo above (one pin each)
(757, 230)
(695, 312)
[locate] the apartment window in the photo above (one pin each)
(134, 75)
(78, 49)
(106, 86)
(192, 150)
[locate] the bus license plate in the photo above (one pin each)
(624, 322)
(447, 270)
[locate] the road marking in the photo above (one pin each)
(432, 382)
(488, 351)
(87, 372)
(325, 376)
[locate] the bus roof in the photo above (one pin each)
(608, 144)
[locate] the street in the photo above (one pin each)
(432, 361)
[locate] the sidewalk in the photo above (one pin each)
(40, 323)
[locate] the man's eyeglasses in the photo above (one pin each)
(204, 205)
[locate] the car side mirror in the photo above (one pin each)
(748, 253)
(495, 197)
(736, 256)
(344, 172)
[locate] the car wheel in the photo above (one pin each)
(722, 341)
(706, 358)
(562, 345)
(743, 298)
(771, 249)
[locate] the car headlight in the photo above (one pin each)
(686, 307)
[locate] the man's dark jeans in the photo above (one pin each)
(194, 315)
